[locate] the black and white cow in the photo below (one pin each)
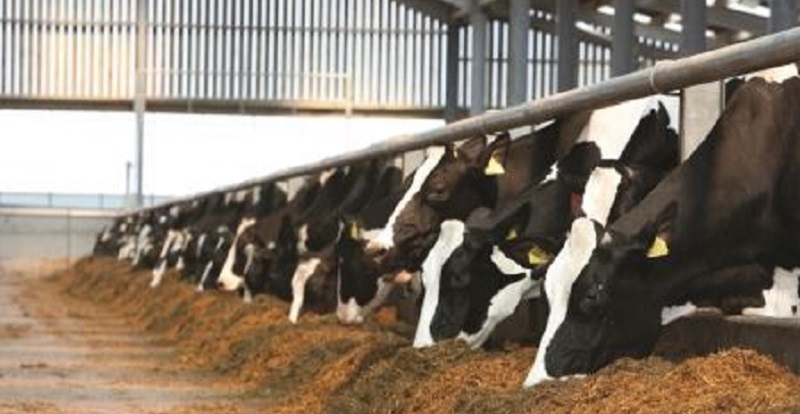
(734, 203)
(257, 201)
(266, 248)
(624, 151)
(369, 186)
(450, 184)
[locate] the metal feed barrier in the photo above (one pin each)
(766, 335)
(764, 52)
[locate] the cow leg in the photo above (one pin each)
(301, 276)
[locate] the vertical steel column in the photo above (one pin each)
(567, 45)
(451, 74)
(701, 105)
(139, 97)
(622, 38)
(783, 15)
(479, 21)
(519, 22)
(693, 36)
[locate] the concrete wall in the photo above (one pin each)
(49, 233)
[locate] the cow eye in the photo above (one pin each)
(594, 298)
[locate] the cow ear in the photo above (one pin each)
(450, 151)
(534, 252)
(656, 235)
(574, 169)
(351, 228)
(493, 158)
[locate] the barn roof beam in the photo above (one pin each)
(717, 17)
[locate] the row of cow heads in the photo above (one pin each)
(450, 184)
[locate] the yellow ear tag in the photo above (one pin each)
(512, 234)
(493, 167)
(537, 256)
(658, 249)
(354, 230)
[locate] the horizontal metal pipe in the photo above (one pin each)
(761, 53)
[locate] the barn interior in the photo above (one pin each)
(138, 127)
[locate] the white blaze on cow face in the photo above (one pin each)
(143, 243)
(206, 273)
(305, 269)
(600, 193)
(670, 314)
(302, 238)
(106, 236)
(200, 242)
(385, 238)
(552, 175)
(450, 237)
(128, 248)
(250, 252)
(228, 280)
(158, 272)
(781, 300)
(505, 301)
(563, 272)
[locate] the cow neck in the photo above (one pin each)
(361, 184)
(529, 159)
(386, 237)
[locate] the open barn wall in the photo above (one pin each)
(69, 234)
(246, 56)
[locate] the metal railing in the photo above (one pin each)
(74, 201)
(762, 53)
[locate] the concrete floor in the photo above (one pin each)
(59, 355)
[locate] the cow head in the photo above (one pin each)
(268, 265)
(359, 275)
(447, 186)
(612, 309)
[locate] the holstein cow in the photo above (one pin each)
(218, 214)
(734, 203)
(623, 151)
(264, 198)
(369, 186)
(250, 266)
(359, 287)
(109, 240)
(450, 184)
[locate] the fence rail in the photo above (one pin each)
(74, 201)
(762, 53)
